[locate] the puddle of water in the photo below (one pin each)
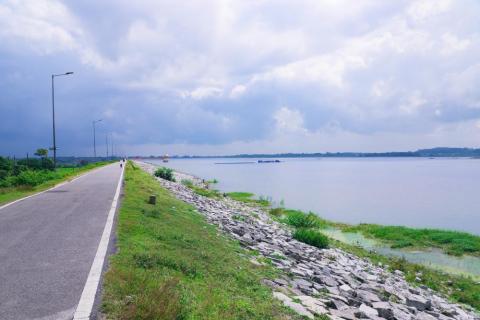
(465, 265)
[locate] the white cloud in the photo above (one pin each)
(237, 91)
(289, 121)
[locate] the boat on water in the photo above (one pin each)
(165, 158)
(269, 161)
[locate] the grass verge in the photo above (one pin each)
(451, 242)
(61, 174)
(171, 264)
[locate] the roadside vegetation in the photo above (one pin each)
(19, 178)
(171, 264)
(451, 242)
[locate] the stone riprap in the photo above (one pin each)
(319, 281)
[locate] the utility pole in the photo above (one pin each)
(54, 148)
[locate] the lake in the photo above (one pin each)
(418, 192)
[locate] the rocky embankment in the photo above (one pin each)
(319, 281)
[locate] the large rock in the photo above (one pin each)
(424, 316)
(326, 280)
(297, 307)
(369, 311)
(384, 309)
(418, 302)
(367, 296)
(348, 314)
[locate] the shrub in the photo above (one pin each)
(165, 173)
(300, 219)
(34, 177)
(311, 237)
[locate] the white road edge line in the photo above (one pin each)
(52, 188)
(85, 305)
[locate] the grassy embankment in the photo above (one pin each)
(171, 264)
(9, 194)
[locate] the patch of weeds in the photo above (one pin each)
(300, 219)
(311, 237)
(452, 242)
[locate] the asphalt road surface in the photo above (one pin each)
(48, 243)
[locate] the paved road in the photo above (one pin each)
(48, 243)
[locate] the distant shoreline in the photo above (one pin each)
(440, 152)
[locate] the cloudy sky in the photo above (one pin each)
(223, 77)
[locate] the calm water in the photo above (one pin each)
(437, 193)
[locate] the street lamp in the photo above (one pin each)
(94, 143)
(106, 142)
(54, 148)
(111, 144)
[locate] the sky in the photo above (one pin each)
(227, 77)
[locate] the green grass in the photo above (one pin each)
(298, 219)
(460, 289)
(451, 242)
(311, 237)
(59, 175)
(247, 197)
(171, 264)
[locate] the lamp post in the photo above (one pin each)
(54, 148)
(111, 144)
(94, 142)
(106, 142)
